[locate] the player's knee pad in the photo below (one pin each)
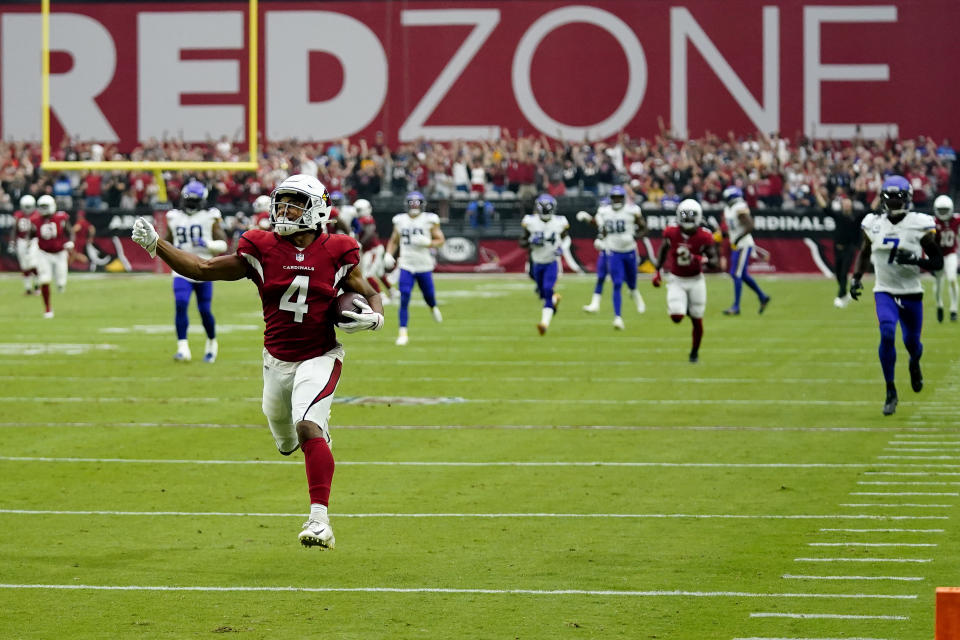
(676, 317)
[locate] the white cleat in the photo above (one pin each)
(839, 303)
(211, 351)
(618, 323)
(48, 314)
(641, 305)
(590, 308)
(436, 314)
(182, 356)
(401, 341)
(317, 533)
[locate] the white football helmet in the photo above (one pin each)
(261, 204)
(689, 215)
(314, 205)
(363, 207)
(46, 205)
(28, 203)
(942, 207)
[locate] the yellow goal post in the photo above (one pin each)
(156, 166)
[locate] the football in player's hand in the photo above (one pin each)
(345, 302)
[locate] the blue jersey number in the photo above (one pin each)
(407, 234)
(538, 239)
(615, 226)
(191, 234)
(893, 250)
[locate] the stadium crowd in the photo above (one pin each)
(772, 171)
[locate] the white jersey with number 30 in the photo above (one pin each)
(885, 239)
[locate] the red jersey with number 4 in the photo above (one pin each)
(51, 231)
(685, 256)
(298, 289)
(21, 225)
(947, 231)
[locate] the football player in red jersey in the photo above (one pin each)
(21, 243)
(948, 227)
(54, 235)
(686, 246)
(298, 269)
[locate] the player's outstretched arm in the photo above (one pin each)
(231, 267)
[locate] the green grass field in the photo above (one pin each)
(585, 484)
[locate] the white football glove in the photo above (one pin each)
(389, 262)
(583, 216)
(421, 240)
(598, 244)
(365, 319)
(145, 235)
(68, 245)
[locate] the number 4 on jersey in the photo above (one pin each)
(299, 288)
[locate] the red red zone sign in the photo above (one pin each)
(128, 72)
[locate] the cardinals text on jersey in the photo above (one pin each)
(298, 288)
(885, 239)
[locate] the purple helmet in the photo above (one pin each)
(193, 196)
(336, 198)
(415, 202)
(896, 193)
(618, 196)
(545, 206)
(732, 193)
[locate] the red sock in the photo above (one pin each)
(319, 463)
(373, 283)
(697, 333)
(45, 290)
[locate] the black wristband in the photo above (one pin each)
(858, 277)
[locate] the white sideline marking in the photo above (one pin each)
(920, 560)
(916, 505)
(904, 493)
(932, 435)
(826, 616)
(887, 530)
(693, 516)
(535, 592)
(424, 463)
(789, 576)
(871, 544)
(926, 443)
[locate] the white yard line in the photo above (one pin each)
(902, 560)
(912, 473)
(826, 616)
(638, 516)
(796, 638)
(897, 506)
(871, 544)
(789, 576)
(535, 592)
(934, 435)
(899, 444)
(918, 457)
(904, 493)
(922, 450)
(886, 530)
(907, 483)
(493, 463)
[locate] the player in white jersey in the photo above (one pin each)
(622, 224)
(416, 234)
(197, 230)
(895, 241)
(739, 223)
(600, 246)
(543, 234)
